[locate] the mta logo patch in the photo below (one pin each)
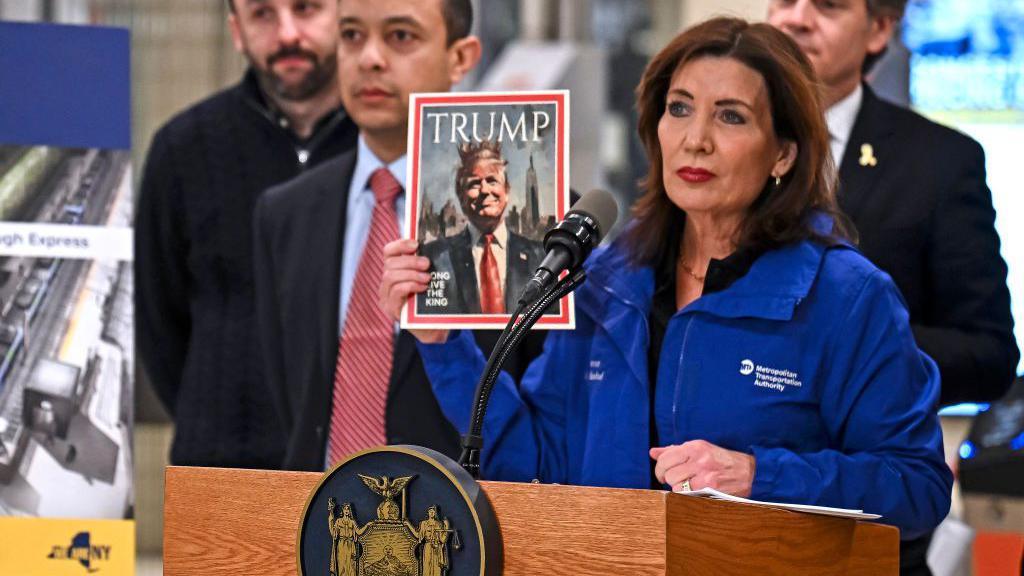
(746, 367)
(82, 550)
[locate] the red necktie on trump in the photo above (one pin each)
(491, 298)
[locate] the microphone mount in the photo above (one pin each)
(567, 246)
(511, 337)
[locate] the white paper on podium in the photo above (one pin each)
(822, 510)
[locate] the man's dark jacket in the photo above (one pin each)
(454, 255)
(195, 308)
(925, 216)
(299, 238)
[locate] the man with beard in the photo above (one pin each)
(193, 251)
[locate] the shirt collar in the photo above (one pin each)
(723, 273)
(500, 234)
(720, 275)
(841, 116)
(367, 162)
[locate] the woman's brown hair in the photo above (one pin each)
(780, 215)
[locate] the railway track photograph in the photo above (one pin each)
(66, 340)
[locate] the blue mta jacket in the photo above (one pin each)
(807, 362)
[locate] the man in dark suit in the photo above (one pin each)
(916, 192)
(318, 249)
(488, 264)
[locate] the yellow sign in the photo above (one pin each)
(58, 547)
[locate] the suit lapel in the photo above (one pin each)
(404, 357)
(401, 363)
(517, 260)
(328, 239)
(465, 275)
(868, 154)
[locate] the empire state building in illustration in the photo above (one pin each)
(531, 214)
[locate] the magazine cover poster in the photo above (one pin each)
(488, 176)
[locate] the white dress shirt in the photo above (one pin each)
(358, 216)
(840, 118)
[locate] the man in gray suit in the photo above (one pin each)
(484, 267)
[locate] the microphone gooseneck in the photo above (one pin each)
(510, 338)
(568, 244)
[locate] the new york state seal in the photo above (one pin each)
(455, 533)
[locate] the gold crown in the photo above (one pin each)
(470, 153)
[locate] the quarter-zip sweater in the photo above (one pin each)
(195, 307)
(807, 362)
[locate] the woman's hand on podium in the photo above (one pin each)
(406, 274)
(705, 466)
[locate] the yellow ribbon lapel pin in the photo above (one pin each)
(867, 155)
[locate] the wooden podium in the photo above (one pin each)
(224, 521)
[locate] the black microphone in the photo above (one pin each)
(570, 242)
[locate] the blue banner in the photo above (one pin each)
(65, 86)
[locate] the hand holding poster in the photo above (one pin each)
(488, 176)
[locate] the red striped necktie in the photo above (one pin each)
(366, 346)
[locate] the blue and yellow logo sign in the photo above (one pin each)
(89, 555)
(57, 547)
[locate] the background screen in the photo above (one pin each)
(967, 71)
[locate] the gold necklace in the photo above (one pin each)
(690, 271)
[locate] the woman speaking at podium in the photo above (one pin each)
(731, 337)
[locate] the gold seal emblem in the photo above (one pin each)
(398, 511)
(390, 545)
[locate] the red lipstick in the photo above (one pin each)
(695, 175)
